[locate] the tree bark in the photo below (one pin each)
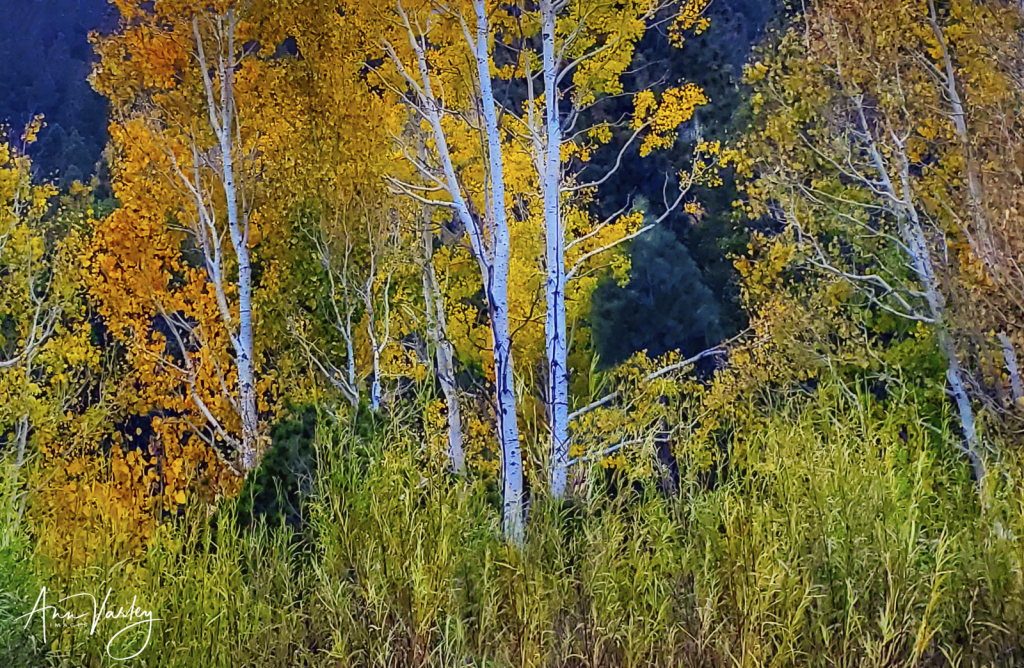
(983, 246)
(1012, 368)
(371, 332)
(441, 348)
(902, 206)
(244, 346)
(497, 293)
(492, 254)
(915, 240)
(556, 336)
(222, 118)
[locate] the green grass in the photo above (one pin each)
(845, 534)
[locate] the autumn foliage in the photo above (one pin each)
(312, 332)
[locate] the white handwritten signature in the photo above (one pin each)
(98, 613)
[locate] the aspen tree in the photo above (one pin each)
(589, 56)
(488, 231)
(866, 134)
(172, 76)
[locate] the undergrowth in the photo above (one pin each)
(846, 533)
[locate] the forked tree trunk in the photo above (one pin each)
(902, 206)
(244, 345)
(492, 252)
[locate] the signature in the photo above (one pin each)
(133, 617)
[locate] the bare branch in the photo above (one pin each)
(597, 251)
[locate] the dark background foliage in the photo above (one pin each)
(697, 263)
(47, 57)
(665, 306)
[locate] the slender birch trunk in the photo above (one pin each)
(21, 441)
(556, 336)
(497, 295)
(21, 431)
(914, 238)
(371, 332)
(1012, 368)
(351, 368)
(902, 206)
(983, 246)
(375, 388)
(492, 254)
(222, 114)
(441, 349)
(239, 232)
(21, 444)
(345, 325)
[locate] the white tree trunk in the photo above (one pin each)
(222, 118)
(21, 441)
(441, 348)
(239, 232)
(902, 206)
(497, 296)
(21, 432)
(375, 388)
(915, 240)
(371, 332)
(352, 380)
(342, 324)
(492, 254)
(983, 243)
(1012, 368)
(244, 345)
(556, 342)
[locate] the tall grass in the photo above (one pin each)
(846, 533)
(18, 580)
(224, 597)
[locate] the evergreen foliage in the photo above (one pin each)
(665, 305)
(47, 61)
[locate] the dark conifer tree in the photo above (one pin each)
(665, 306)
